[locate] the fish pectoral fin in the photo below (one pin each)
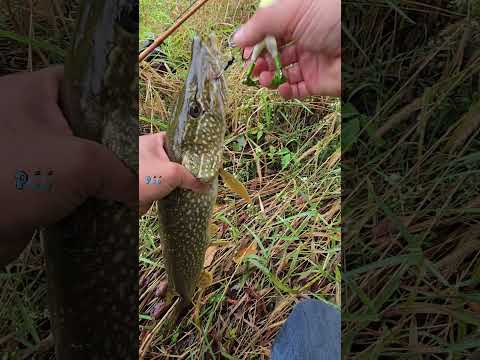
(175, 317)
(196, 315)
(205, 279)
(169, 295)
(235, 185)
(220, 243)
(212, 229)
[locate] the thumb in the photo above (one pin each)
(272, 20)
(184, 179)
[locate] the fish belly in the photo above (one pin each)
(184, 216)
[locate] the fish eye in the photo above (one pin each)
(195, 110)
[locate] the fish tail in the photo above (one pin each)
(178, 312)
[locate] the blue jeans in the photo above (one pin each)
(311, 332)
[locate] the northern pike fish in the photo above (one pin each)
(194, 139)
(92, 255)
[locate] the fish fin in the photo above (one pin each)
(235, 185)
(174, 319)
(220, 243)
(196, 315)
(169, 295)
(205, 279)
(212, 229)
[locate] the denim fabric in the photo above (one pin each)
(311, 332)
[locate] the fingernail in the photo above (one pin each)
(247, 53)
(237, 35)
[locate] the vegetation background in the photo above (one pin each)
(410, 179)
(264, 257)
(33, 34)
(268, 255)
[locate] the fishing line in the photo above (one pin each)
(229, 63)
(180, 20)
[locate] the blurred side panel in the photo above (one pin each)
(92, 256)
(410, 179)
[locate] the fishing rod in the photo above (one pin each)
(180, 20)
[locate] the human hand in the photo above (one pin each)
(313, 62)
(158, 176)
(35, 137)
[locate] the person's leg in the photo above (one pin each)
(311, 332)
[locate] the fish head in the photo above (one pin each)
(197, 133)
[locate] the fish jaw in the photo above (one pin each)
(196, 134)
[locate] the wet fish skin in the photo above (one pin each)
(194, 139)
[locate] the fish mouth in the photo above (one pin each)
(204, 135)
(205, 47)
(206, 66)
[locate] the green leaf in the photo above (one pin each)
(256, 261)
(53, 49)
(259, 134)
(350, 133)
(144, 317)
(349, 110)
(286, 160)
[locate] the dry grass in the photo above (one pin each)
(410, 185)
(287, 154)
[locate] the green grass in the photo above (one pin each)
(287, 154)
(410, 182)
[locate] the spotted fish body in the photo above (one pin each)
(194, 139)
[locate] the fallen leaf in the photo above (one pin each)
(280, 307)
(158, 309)
(242, 219)
(387, 226)
(316, 234)
(161, 288)
(333, 211)
(243, 252)
(251, 292)
(210, 255)
(223, 228)
(400, 116)
(283, 264)
(475, 307)
(235, 186)
(466, 126)
(299, 201)
(309, 152)
(333, 160)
